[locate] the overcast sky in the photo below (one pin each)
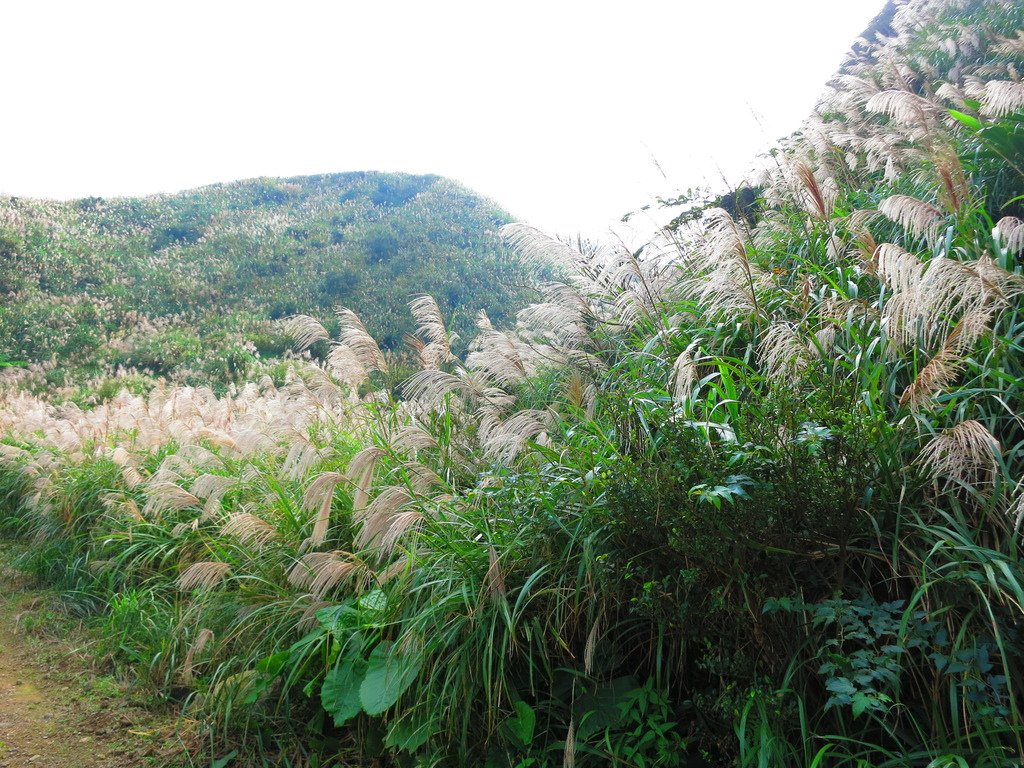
(568, 114)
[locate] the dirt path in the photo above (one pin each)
(56, 711)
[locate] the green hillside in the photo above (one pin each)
(176, 284)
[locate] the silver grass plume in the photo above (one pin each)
(384, 521)
(320, 572)
(965, 455)
(684, 374)
(203, 575)
(432, 329)
(946, 365)
(167, 496)
(249, 529)
(318, 498)
(355, 336)
(203, 638)
(304, 331)
(908, 109)
(782, 353)
(346, 366)
(1002, 97)
(919, 218)
(1011, 232)
(360, 474)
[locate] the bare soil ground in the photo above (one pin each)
(57, 710)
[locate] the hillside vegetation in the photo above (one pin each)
(751, 495)
(184, 285)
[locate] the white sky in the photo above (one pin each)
(556, 110)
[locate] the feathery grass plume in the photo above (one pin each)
(900, 269)
(946, 365)
(782, 353)
(1016, 513)
(209, 486)
(203, 575)
(304, 331)
(908, 109)
(919, 218)
(532, 242)
(131, 477)
(319, 497)
(574, 389)
(954, 189)
(817, 199)
(1002, 97)
(167, 496)
(307, 620)
(952, 94)
(219, 438)
(320, 572)
(1011, 232)
(380, 514)
(302, 457)
(420, 477)
(684, 374)
(966, 455)
(432, 386)
(498, 355)
(345, 366)
(249, 528)
(494, 579)
(728, 283)
(397, 526)
(402, 565)
(355, 336)
(360, 473)
(1000, 285)
(196, 647)
(412, 438)
(431, 327)
(504, 440)
(182, 528)
(557, 322)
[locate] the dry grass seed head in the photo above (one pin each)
(360, 473)
(203, 575)
(965, 455)
(320, 572)
(919, 218)
(319, 497)
(249, 528)
(203, 637)
(1002, 97)
(355, 336)
(304, 331)
(1011, 231)
(782, 352)
(379, 515)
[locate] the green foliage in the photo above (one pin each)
(186, 285)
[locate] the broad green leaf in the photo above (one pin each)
(522, 723)
(340, 691)
(389, 673)
(272, 665)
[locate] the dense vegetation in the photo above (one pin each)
(751, 495)
(184, 286)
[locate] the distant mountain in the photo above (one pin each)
(175, 283)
